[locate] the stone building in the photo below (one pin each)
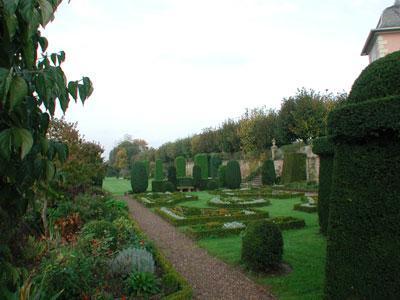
(385, 39)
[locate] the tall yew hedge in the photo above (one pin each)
(159, 174)
(233, 176)
(139, 177)
(294, 168)
(324, 148)
(268, 175)
(201, 160)
(215, 162)
(364, 229)
(180, 164)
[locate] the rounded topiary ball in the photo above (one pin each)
(378, 80)
(262, 246)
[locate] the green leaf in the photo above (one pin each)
(89, 86)
(10, 6)
(5, 143)
(73, 89)
(12, 25)
(26, 9)
(82, 92)
(18, 91)
(46, 11)
(50, 171)
(5, 82)
(29, 54)
(33, 25)
(61, 57)
(22, 139)
(43, 43)
(54, 58)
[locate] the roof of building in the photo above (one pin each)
(389, 21)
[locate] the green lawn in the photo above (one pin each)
(116, 186)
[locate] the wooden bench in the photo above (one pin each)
(185, 188)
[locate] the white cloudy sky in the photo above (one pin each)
(165, 69)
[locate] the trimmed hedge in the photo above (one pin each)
(221, 176)
(139, 180)
(364, 227)
(147, 165)
(268, 175)
(378, 80)
(233, 176)
(159, 174)
(180, 164)
(196, 176)
(201, 160)
(324, 148)
(215, 162)
(172, 176)
(262, 246)
(212, 185)
(294, 168)
(308, 209)
(157, 186)
(185, 181)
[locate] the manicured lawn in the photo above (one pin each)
(116, 186)
(304, 251)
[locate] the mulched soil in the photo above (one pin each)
(209, 277)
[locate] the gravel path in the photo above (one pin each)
(209, 277)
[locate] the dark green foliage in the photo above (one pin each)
(201, 160)
(139, 179)
(142, 284)
(169, 187)
(147, 165)
(172, 175)
(157, 186)
(185, 181)
(215, 162)
(221, 176)
(233, 176)
(364, 230)
(212, 185)
(159, 174)
(324, 148)
(196, 176)
(262, 246)
(305, 208)
(180, 164)
(268, 172)
(294, 168)
(378, 80)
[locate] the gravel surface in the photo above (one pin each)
(209, 277)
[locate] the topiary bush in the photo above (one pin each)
(196, 176)
(172, 176)
(180, 164)
(169, 187)
(139, 179)
(221, 176)
(324, 148)
(233, 176)
(364, 229)
(185, 181)
(159, 173)
(215, 162)
(378, 80)
(212, 185)
(157, 186)
(262, 246)
(201, 160)
(268, 175)
(294, 168)
(147, 165)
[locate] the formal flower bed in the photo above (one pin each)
(235, 202)
(163, 199)
(309, 204)
(181, 216)
(221, 229)
(257, 193)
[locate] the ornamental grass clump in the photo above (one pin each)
(132, 260)
(262, 246)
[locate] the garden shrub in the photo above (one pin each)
(157, 186)
(233, 176)
(221, 176)
(378, 80)
(196, 176)
(131, 260)
(147, 165)
(268, 174)
(364, 228)
(172, 176)
(159, 173)
(105, 235)
(324, 148)
(212, 185)
(142, 284)
(169, 187)
(180, 164)
(139, 179)
(215, 162)
(201, 160)
(185, 181)
(262, 246)
(294, 168)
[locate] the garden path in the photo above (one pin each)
(209, 277)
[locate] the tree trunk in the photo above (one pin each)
(44, 218)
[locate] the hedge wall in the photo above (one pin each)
(185, 181)
(268, 175)
(139, 180)
(215, 162)
(196, 176)
(201, 160)
(147, 165)
(172, 175)
(180, 164)
(159, 174)
(294, 168)
(324, 148)
(364, 227)
(233, 176)
(157, 186)
(221, 176)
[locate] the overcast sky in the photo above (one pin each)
(166, 69)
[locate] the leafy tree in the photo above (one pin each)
(229, 137)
